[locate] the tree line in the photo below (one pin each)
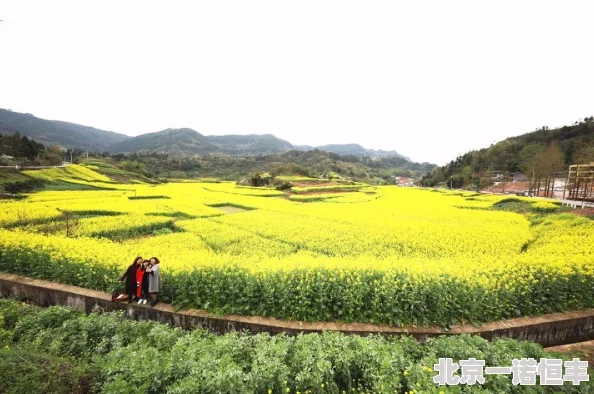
(27, 151)
(537, 154)
(312, 163)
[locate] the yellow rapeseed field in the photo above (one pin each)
(386, 255)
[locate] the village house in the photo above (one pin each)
(403, 181)
(519, 177)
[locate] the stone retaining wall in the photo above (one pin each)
(548, 330)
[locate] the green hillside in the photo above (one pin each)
(251, 144)
(178, 142)
(558, 147)
(187, 142)
(309, 163)
(352, 149)
(53, 132)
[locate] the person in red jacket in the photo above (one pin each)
(142, 282)
(130, 276)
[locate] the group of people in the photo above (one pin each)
(143, 279)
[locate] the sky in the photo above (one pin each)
(429, 79)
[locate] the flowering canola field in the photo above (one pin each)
(391, 255)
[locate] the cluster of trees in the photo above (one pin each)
(541, 169)
(29, 151)
(537, 154)
(23, 186)
(158, 165)
(311, 163)
(17, 146)
(134, 166)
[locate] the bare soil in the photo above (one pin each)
(584, 211)
(582, 350)
(231, 209)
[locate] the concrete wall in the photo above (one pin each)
(549, 330)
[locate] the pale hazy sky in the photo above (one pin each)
(430, 79)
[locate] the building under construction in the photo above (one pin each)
(580, 182)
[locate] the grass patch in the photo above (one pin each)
(96, 212)
(249, 191)
(58, 186)
(225, 206)
(522, 206)
(176, 214)
(304, 179)
(12, 176)
(148, 197)
(131, 232)
(254, 188)
(314, 197)
(334, 188)
(513, 205)
(473, 208)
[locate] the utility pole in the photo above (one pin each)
(70, 156)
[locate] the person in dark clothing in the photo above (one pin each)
(130, 276)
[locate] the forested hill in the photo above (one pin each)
(559, 147)
(314, 163)
(188, 142)
(179, 142)
(54, 132)
(352, 149)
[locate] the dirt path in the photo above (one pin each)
(584, 211)
(582, 350)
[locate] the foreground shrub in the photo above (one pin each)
(60, 347)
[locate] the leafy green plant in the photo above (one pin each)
(55, 350)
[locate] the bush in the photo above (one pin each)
(26, 371)
(513, 205)
(282, 185)
(23, 186)
(134, 166)
(260, 179)
(60, 346)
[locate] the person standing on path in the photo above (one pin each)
(144, 282)
(140, 278)
(155, 285)
(130, 276)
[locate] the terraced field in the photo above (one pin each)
(385, 254)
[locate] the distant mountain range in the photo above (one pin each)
(351, 149)
(54, 132)
(183, 142)
(189, 142)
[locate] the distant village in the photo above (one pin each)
(519, 184)
(403, 181)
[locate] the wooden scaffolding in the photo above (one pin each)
(580, 182)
